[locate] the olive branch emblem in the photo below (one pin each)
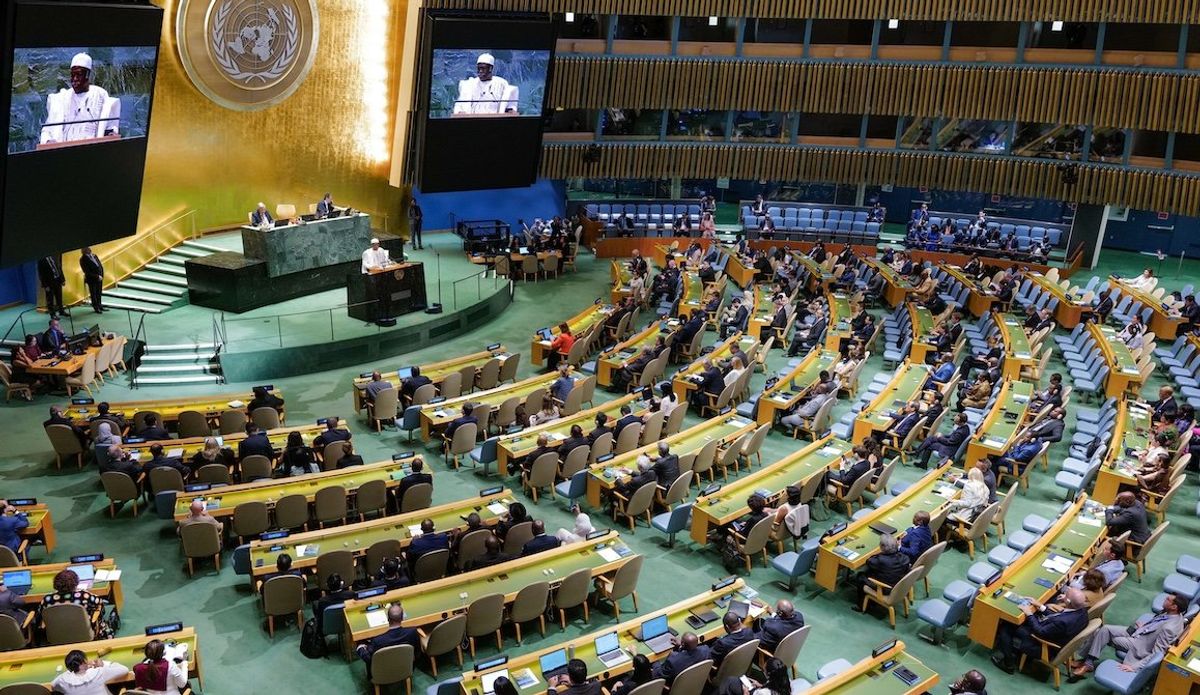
(229, 65)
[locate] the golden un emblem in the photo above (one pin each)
(247, 54)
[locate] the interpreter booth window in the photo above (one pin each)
(1108, 145)
(839, 38)
(917, 134)
(1193, 43)
(1048, 140)
(1143, 45)
(631, 124)
(830, 129)
(579, 25)
(1061, 42)
(572, 121)
(985, 35)
(696, 124)
(762, 126)
(1187, 152)
(708, 29)
(625, 188)
(881, 131)
(911, 40)
(643, 28)
(973, 135)
(1148, 149)
(774, 31)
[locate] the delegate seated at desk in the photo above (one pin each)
(260, 217)
(375, 258)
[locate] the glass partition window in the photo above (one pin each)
(912, 33)
(985, 34)
(881, 130)
(775, 30)
(1070, 35)
(644, 28)
(966, 135)
(581, 26)
(762, 126)
(1141, 37)
(841, 31)
(1051, 140)
(702, 29)
(917, 134)
(632, 123)
(1148, 143)
(696, 124)
(1108, 145)
(572, 121)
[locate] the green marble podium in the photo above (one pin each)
(308, 245)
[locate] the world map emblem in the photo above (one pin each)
(247, 54)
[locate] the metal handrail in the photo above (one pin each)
(139, 336)
(21, 320)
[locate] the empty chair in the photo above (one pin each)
(119, 488)
(250, 519)
(329, 505)
(530, 604)
(485, 616)
(948, 611)
(334, 562)
(266, 417)
(445, 637)
(573, 592)
(282, 596)
(622, 583)
(431, 566)
(291, 512)
(371, 498)
(416, 497)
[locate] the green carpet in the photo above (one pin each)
(234, 645)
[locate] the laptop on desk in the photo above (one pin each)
(608, 650)
(86, 574)
(656, 634)
(18, 581)
(554, 663)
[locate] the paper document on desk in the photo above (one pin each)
(439, 413)
(179, 650)
(176, 453)
(609, 554)
(994, 442)
(557, 436)
(497, 508)
(108, 575)
(376, 618)
(1057, 563)
(414, 530)
(1090, 521)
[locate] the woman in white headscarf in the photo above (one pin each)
(583, 526)
(105, 439)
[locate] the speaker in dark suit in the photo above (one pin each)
(93, 276)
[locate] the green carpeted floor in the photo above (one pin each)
(239, 657)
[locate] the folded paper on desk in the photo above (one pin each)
(376, 618)
(108, 575)
(497, 508)
(609, 554)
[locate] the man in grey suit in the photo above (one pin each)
(1139, 641)
(325, 207)
(807, 411)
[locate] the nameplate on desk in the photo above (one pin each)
(403, 455)
(493, 347)
(80, 559)
(439, 399)
(197, 487)
(598, 534)
(727, 581)
(163, 629)
(272, 535)
(265, 387)
(82, 401)
(488, 491)
(22, 501)
(370, 593)
(366, 375)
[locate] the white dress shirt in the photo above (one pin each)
(375, 258)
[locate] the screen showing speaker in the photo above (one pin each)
(82, 85)
(481, 105)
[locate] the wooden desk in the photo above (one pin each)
(729, 503)
(1017, 353)
(169, 408)
(692, 295)
(43, 581)
(896, 287)
(998, 430)
(741, 274)
(431, 602)
(1069, 312)
(1179, 674)
(868, 678)
(43, 664)
(979, 297)
(1122, 367)
(790, 389)
(684, 387)
(305, 548)
(931, 493)
(64, 366)
(1165, 323)
(584, 646)
(819, 276)
(1133, 431)
(190, 446)
(611, 361)
(621, 275)
(40, 528)
(762, 312)
(725, 429)
(435, 416)
(904, 387)
(922, 327)
(521, 444)
(435, 371)
(1074, 536)
(840, 313)
(228, 497)
(596, 313)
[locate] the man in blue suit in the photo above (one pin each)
(1017, 457)
(54, 339)
(12, 520)
(942, 373)
(917, 539)
(902, 423)
(428, 542)
(260, 216)
(1054, 627)
(688, 652)
(540, 540)
(396, 634)
(736, 634)
(945, 445)
(325, 207)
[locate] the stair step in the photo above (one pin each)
(183, 358)
(172, 380)
(167, 268)
(190, 252)
(174, 259)
(130, 306)
(180, 346)
(149, 275)
(173, 291)
(179, 368)
(136, 296)
(191, 244)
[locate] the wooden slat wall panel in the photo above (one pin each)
(1099, 184)
(1145, 99)
(1153, 11)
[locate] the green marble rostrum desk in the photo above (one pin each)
(307, 245)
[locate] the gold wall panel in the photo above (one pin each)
(220, 163)
(1155, 11)
(1149, 99)
(1098, 184)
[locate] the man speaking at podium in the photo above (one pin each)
(82, 112)
(375, 258)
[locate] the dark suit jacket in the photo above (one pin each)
(570, 443)
(411, 384)
(427, 543)
(721, 648)
(690, 329)
(626, 489)
(666, 469)
(679, 660)
(858, 470)
(956, 436)
(167, 462)
(780, 319)
(257, 444)
(589, 688)
(91, 267)
(1132, 519)
(713, 382)
(625, 420)
(1057, 628)
(902, 426)
(50, 272)
(393, 637)
(597, 433)
(410, 480)
(888, 568)
(154, 433)
(349, 460)
(330, 436)
(739, 317)
(459, 422)
(1165, 409)
(539, 543)
(324, 208)
(52, 340)
(257, 218)
(263, 401)
(774, 629)
(1049, 430)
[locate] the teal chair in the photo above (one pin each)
(793, 565)
(672, 522)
